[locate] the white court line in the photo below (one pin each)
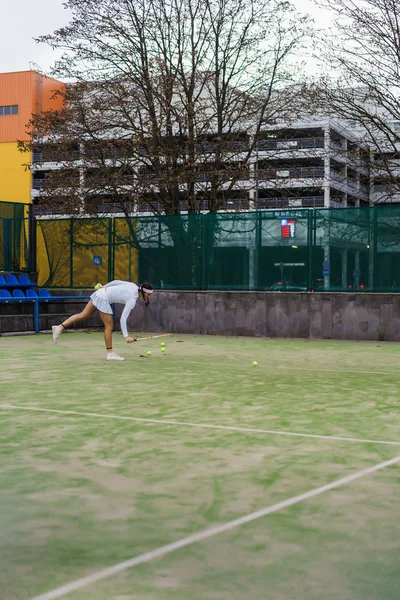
(305, 369)
(207, 533)
(199, 425)
(269, 368)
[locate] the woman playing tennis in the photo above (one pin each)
(118, 292)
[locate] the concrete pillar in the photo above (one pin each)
(81, 184)
(327, 167)
(370, 177)
(253, 194)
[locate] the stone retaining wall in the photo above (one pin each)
(264, 314)
(272, 314)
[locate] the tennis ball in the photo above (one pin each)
(162, 344)
(163, 349)
(255, 363)
(149, 353)
(97, 286)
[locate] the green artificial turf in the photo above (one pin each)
(84, 490)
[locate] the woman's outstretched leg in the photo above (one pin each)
(87, 312)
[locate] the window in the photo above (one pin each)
(9, 110)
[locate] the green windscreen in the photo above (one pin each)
(351, 249)
(14, 237)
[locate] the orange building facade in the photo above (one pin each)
(22, 94)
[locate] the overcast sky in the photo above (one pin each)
(23, 20)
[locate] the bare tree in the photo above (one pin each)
(167, 100)
(165, 103)
(362, 58)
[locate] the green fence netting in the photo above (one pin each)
(309, 249)
(14, 237)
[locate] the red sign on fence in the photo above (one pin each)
(288, 228)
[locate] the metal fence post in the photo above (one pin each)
(36, 314)
(258, 245)
(310, 238)
(204, 282)
(71, 253)
(8, 245)
(374, 246)
(31, 240)
(111, 247)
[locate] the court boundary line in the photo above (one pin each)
(333, 438)
(274, 368)
(304, 369)
(206, 533)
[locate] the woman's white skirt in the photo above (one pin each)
(99, 299)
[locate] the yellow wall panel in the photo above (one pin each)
(15, 179)
(125, 255)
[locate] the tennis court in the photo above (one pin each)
(193, 475)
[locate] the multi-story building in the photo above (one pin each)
(314, 163)
(21, 95)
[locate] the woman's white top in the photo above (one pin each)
(120, 292)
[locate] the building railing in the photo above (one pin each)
(349, 182)
(290, 173)
(224, 146)
(54, 157)
(288, 201)
(294, 144)
(38, 184)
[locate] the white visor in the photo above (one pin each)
(147, 291)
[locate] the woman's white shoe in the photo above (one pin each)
(56, 329)
(113, 356)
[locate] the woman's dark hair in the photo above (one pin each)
(147, 286)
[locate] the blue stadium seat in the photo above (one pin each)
(18, 294)
(12, 281)
(44, 294)
(31, 294)
(5, 294)
(25, 281)
(2, 281)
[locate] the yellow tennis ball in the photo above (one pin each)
(148, 353)
(97, 286)
(163, 349)
(255, 363)
(162, 344)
